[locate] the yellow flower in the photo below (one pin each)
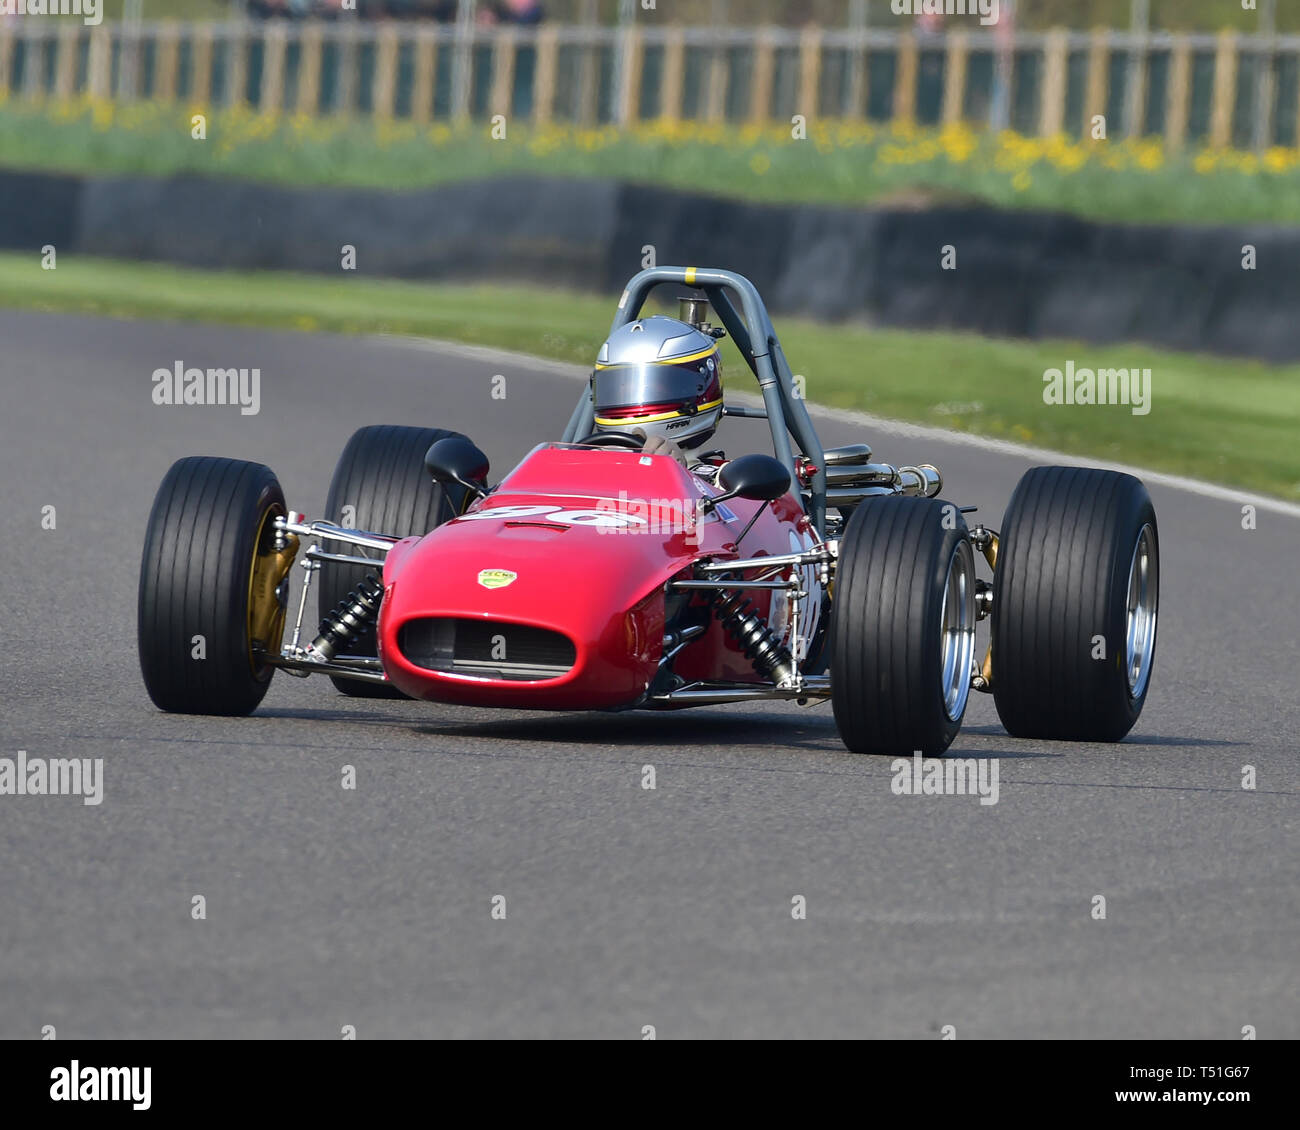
(1072, 158)
(760, 163)
(1278, 160)
(1151, 155)
(958, 142)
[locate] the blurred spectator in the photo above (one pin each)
(930, 23)
(523, 12)
(291, 9)
(443, 11)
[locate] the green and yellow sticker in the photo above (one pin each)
(496, 578)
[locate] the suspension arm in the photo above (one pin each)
(820, 555)
(297, 524)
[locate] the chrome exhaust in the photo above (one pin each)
(841, 497)
(924, 480)
(861, 475)
(857, 453)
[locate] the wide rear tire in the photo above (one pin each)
(903, 635)
(1071, 657)
(381, 485)
(210, 529)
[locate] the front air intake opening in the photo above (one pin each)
(486, 649)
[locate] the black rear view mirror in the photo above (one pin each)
(454, 459)
(759, 478)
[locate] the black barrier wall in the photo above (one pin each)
(1019, 274)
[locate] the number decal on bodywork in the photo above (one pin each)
(559, 515)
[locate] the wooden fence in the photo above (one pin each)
(1219, 90)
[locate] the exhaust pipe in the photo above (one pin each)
(861, 475)
(841, 497)
(858, 453)
(877, 479)
(923, 480)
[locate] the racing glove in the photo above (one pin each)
(661, 445)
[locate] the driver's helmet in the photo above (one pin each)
(662, 376)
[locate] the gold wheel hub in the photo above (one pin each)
(266, 610)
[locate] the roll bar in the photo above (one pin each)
(752, 331)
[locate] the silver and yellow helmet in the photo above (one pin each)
(661, 376)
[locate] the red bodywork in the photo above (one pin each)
(591, 536)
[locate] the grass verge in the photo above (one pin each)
(838, 163)
(1220, 419)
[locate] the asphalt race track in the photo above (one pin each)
(625, 907)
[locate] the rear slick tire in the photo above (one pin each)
(903, 639)
(1075, 604)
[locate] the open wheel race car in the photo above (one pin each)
(595, 576)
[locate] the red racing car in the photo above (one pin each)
(606, 572)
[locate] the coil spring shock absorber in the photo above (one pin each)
(355, 613)
(756, 639)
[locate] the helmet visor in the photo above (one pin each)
(649, 387)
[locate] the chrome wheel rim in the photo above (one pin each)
(1141, 607)
(958, 627)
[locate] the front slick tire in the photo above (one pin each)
(1075, 600)
(903, 635)
(210, 532)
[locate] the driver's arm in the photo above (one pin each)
(660, 445)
